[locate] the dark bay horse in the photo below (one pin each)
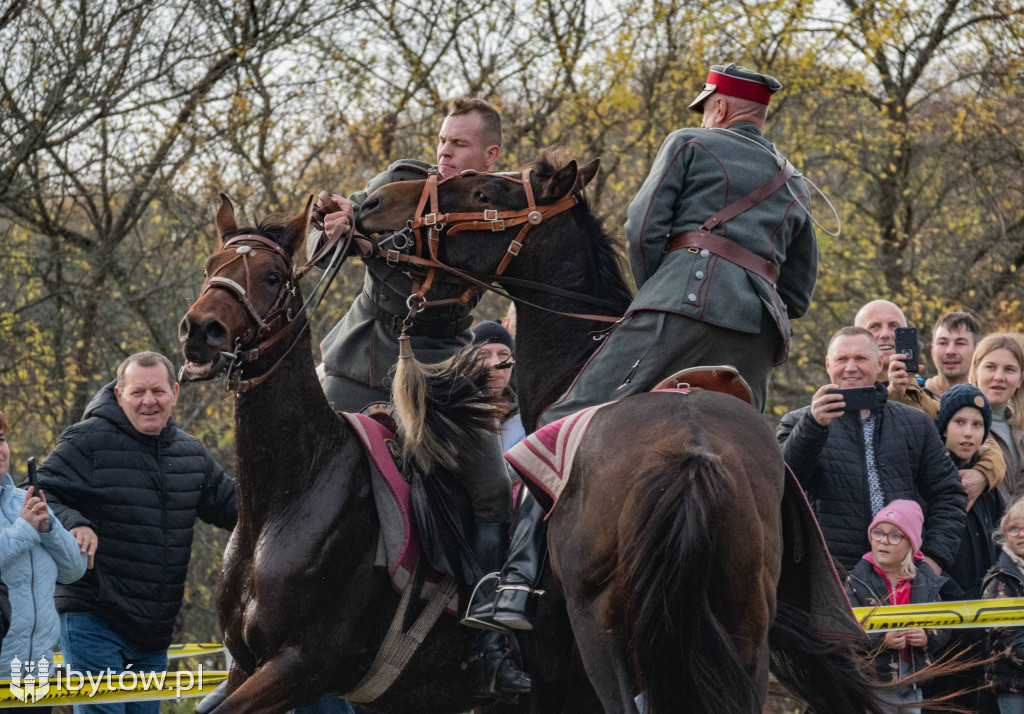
(667, 541)
(302, 607)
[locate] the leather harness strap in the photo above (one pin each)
(704, 239)
(486, 219)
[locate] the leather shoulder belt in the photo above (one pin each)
(704, 239)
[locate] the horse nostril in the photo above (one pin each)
(216, 333)
(183, 329)
(370, 204)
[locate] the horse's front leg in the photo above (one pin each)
(273, 688)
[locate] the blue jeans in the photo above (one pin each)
(1011, 703)
(90, 645)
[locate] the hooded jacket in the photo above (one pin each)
(141, 494)
(31, 564)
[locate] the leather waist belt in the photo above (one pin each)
(419, 327)
(725, 248)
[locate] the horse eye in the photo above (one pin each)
(274, 278)
(481, 197)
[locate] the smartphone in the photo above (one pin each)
(32, 475)
(857, 398)
(906, 345)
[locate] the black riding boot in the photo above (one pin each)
(490, 661)
(514, 603)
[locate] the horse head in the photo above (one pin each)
(486, 219)
(250, 296)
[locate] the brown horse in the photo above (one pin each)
(667, 540)
(302, 607)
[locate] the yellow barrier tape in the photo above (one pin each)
(63, 688)
(1004, 612)
(175, 651)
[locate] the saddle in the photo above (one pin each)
(723, 378)
(438, 507)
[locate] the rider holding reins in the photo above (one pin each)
(361, 350)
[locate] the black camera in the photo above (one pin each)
(906, 345)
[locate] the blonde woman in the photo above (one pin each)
(997, 369)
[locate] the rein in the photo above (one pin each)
(248, 346)
(494, 220)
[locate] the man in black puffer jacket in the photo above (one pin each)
(851, 464)
(129, 485)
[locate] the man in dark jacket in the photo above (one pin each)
(853, 463)
(129, 485)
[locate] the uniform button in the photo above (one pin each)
(691, 297)
(699, 275)
(704, 253)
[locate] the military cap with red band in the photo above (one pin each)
(735, 81)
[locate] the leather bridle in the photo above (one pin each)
(434, 223)
(250, 345)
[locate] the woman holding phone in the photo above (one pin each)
(36, 553)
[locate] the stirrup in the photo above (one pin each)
(476, 622)
(515, 606)
(489, 688)
(521, 588)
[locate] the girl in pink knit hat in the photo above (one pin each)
(894, 573)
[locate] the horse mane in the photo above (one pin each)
(275, 227)
(608, 271)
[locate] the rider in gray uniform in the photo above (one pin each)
(362, 349)
(709, 292)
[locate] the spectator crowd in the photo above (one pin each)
(917, 486)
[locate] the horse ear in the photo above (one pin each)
(298, 227)
(589, 170)
(561, 183)
(225, 218)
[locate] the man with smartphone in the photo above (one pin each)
(898, 346)
(852, 457)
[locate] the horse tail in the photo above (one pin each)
(441, 409)
(833, 675)
(680, 649)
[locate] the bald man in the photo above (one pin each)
(881, 318)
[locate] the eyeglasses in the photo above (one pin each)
(1015, 530)
(880, 536)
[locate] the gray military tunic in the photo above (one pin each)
(362, 349)
(693, 307)
(360, 352)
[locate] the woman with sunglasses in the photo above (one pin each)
(893, 573)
